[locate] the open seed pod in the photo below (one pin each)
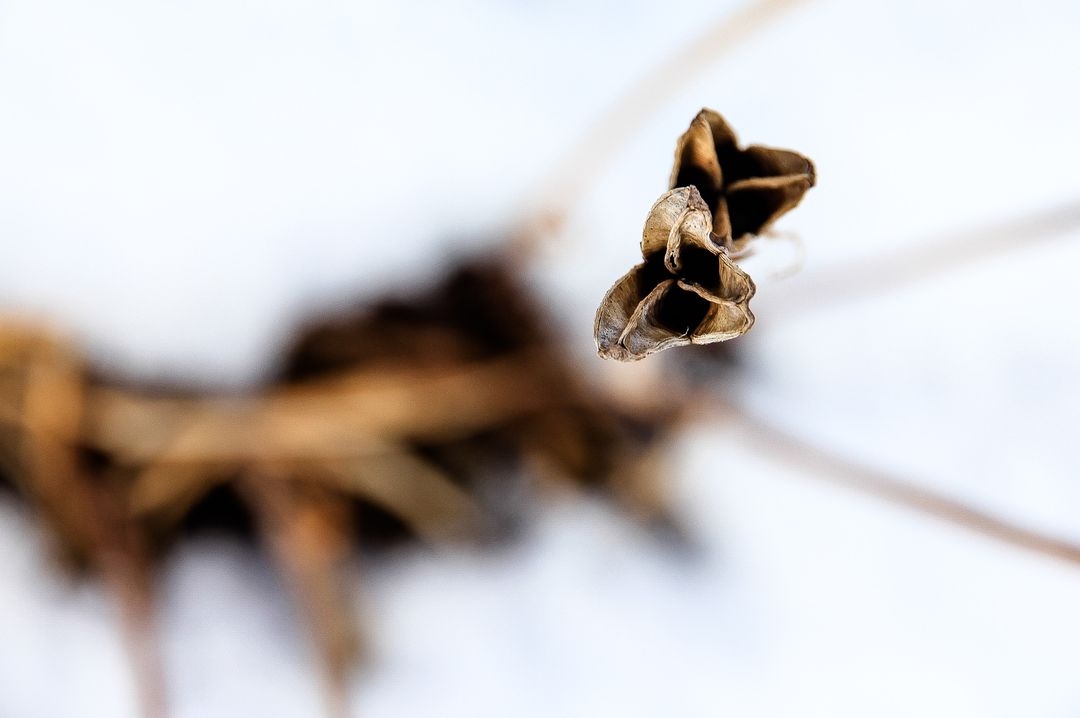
(745, 189)
(687, 291)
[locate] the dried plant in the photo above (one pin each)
(384, 425)
(688, 290)
(394, 423)
(405, 419)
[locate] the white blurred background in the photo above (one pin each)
(182, 183)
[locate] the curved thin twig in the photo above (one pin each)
(609, 132)
(855, 280)
(815, 462)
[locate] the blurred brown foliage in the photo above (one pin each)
(416, 417)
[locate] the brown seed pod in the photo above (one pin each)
(745, 189)
(687, 291)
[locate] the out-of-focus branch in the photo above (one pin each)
(87, 514)
(856, 280)
(340, 418)
(598, 146)
(309, 533)
(820, 464)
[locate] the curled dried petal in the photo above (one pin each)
(700, 156)
(730, 284)
(761, 161)
(724, 320)
(756, 203)
(697, 161)
(633, 323)
(672, 210)
(690, 240)
(665, 318)
(616, 308)
(708, 157)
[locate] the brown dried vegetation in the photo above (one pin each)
(390, 424)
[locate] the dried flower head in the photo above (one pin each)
(745, 189)
(687, 291)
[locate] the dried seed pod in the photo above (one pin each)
(687, 291)
(745, 189)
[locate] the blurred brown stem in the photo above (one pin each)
(87, 513)
(309, 534)
(814, 462)
(858, 279)
(612, 130)
(129, 580)
(355, 413)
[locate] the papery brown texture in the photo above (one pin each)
(745, 189)
(687, 291)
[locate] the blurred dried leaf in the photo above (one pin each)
(403, 419)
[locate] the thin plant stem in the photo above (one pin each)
(87, 513)
(600, 144)
(135, 604)
(819, 464)
(856, 280)
(309, 539)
